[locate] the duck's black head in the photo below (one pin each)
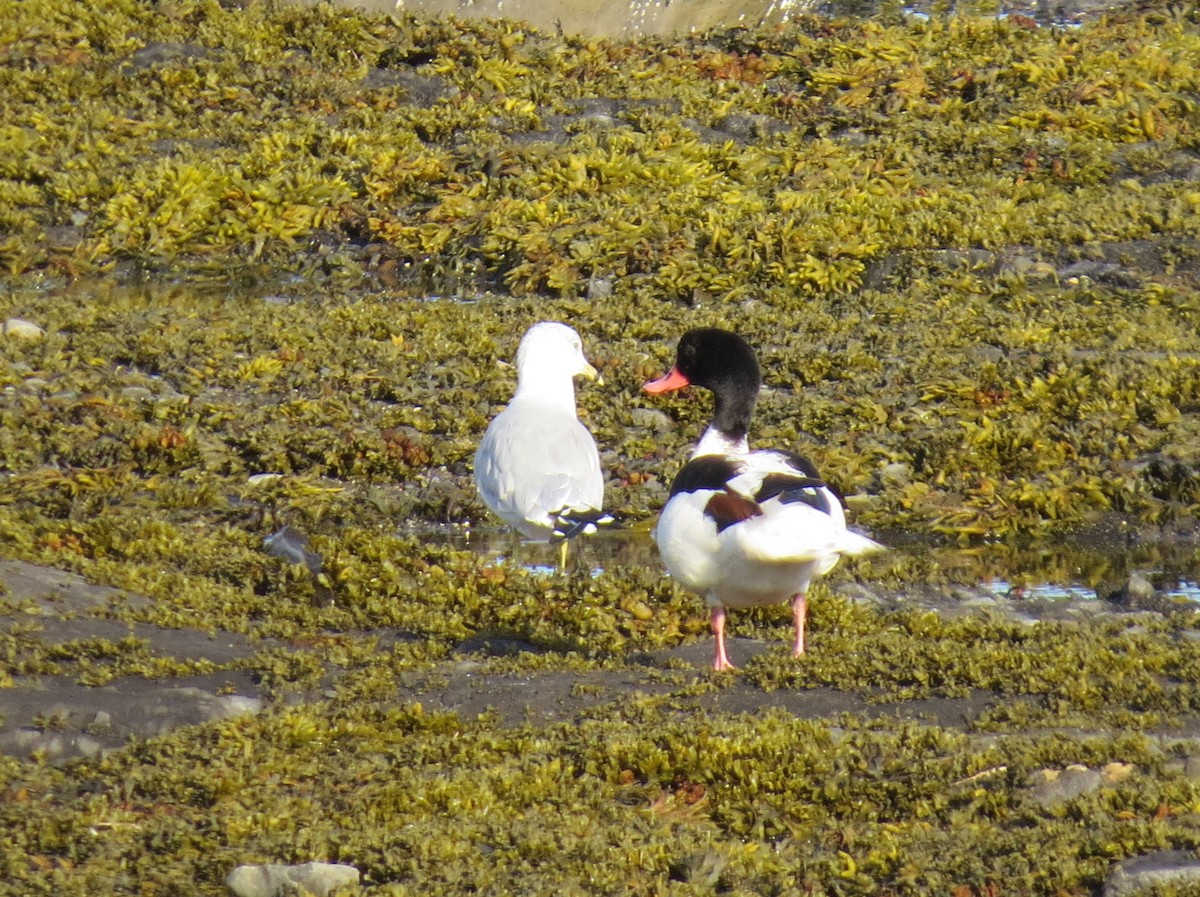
(717, 359)
(724, 363)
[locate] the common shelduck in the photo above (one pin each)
(744, 528)
(537, 467)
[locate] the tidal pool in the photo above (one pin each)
(1070, 574)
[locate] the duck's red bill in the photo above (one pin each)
(673, 380)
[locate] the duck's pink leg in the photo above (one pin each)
(717, 619)
(799, 615)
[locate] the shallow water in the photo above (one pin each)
(1066, 575)
(638, 17)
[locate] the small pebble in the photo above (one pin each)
(19, 328)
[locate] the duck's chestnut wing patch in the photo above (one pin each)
(728, 508)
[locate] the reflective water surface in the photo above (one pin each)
(948, 576)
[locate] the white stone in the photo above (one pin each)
(271, 880)
(19, 328)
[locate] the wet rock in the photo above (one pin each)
(291, 545)
(58, 719)
(497, 646)
(862, 593)
(1026, 267)
(1136, 590)
(747, 127)
(599, 288)
(223, 706)
(19, 328)
(970, 259)
(271, 880)
(651, 419)
(855, 137)
(1101, 271)
(50, 745)
(137, 394)
(880, 270)
(57, 592)
(1050, 787)
(64, 237)
(1137, 593)
(897, 473)
(1186, 761)
(1164, 868)
(33, 385)
(421, 91)
(985, 354)
(163, 53)
(1093, 269)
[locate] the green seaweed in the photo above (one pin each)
(965, 250)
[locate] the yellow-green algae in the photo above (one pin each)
(889, 230)
(132, 431)
(627, 802)
(895, 252)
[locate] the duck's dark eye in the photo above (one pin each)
(689, 351)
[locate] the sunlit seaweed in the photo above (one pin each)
(965, 249)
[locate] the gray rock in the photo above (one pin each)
(271, 880)
(1054, 786)
(599, 287)
(1050, 787)
(421, 90)
(897, 473)
(211, 707)
(56, 592)
(985, 354)
(233, 706)
(137, 394)
(651, 419)
(1188, 766)
(86, 746)
(58, 719)
(497, 646)
(1139, 588)
(747, 127)
(292, 546)
(51, 746)
(159, 53)
(962, 258)
(1093, 269)
(1164, 868)
(1138, 593)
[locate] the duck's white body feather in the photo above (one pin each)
(762, 559)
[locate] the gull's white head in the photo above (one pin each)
(551, 349)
